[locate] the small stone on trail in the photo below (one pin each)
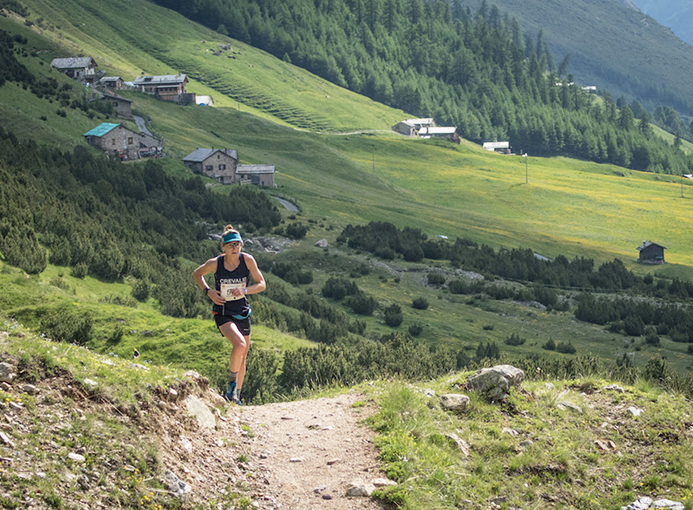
(332, 461)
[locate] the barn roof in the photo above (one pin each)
(496, 145)
(647, 244)
(255, 169)
(437, 131)
(200, 155)
(161, 80)
(102, 129)
(73, 63)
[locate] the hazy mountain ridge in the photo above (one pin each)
(611, 45)
(675, 14)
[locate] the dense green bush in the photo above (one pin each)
(393, 315)
(420, 303)
(514, 339)
(141, 290)
(435, 279)
(361, 303)
(339, 288)
(296, 230)
(67, 324)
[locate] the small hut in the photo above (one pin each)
(651, 253)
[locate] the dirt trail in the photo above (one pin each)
(308, 452)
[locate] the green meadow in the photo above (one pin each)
(338, 160)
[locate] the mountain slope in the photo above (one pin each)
(675, 14)
(167, 43)
(611, 46)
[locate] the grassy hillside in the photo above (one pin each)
(567, 207)
(133, 37)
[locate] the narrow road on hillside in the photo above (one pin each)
(306, 454)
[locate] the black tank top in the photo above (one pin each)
(224, 281)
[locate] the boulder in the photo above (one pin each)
(455, 401)
(495, 382)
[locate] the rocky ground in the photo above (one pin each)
(64, 444)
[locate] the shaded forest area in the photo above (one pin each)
(476, 71)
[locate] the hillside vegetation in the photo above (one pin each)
(474, 72)
(88, 430)
(337, 180)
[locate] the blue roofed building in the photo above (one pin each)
(115, 140)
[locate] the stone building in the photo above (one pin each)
(115, 140)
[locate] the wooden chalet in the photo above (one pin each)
(169, 87)
(411, 127)
(219, 164)
(260, 175)
(112, 82)
(121, 106)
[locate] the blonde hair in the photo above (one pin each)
(228, 229)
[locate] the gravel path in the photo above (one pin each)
(309, 452)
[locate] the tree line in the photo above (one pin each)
(476, 71)
(109, 220)
(385, 240)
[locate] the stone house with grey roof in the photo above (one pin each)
(219, 164)
(222, 165)
(170, 87)
(78, 68)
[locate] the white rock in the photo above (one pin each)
(360, 490)
(665, 504)
(573, 407)
(199, 410)
(455, 401)
(614, 387)
(383, 482)
(185, 442)
(634, 411)
(30, 389)
(90, 383)
(7, 372)
(76, 457)
(641, 504)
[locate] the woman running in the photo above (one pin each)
(231, 309)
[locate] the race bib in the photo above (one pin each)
(226, 291)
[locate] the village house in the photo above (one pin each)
(121, 106)
(448, 133)
(499, 147)
(260, 175)
(82, 69)
(222, 165)
(150, 146)
(114, 139)
(169, 87)
(651, 253)
(219, 164)
(411, 127)
(112, 82)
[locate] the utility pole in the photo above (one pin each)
(525, 155)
